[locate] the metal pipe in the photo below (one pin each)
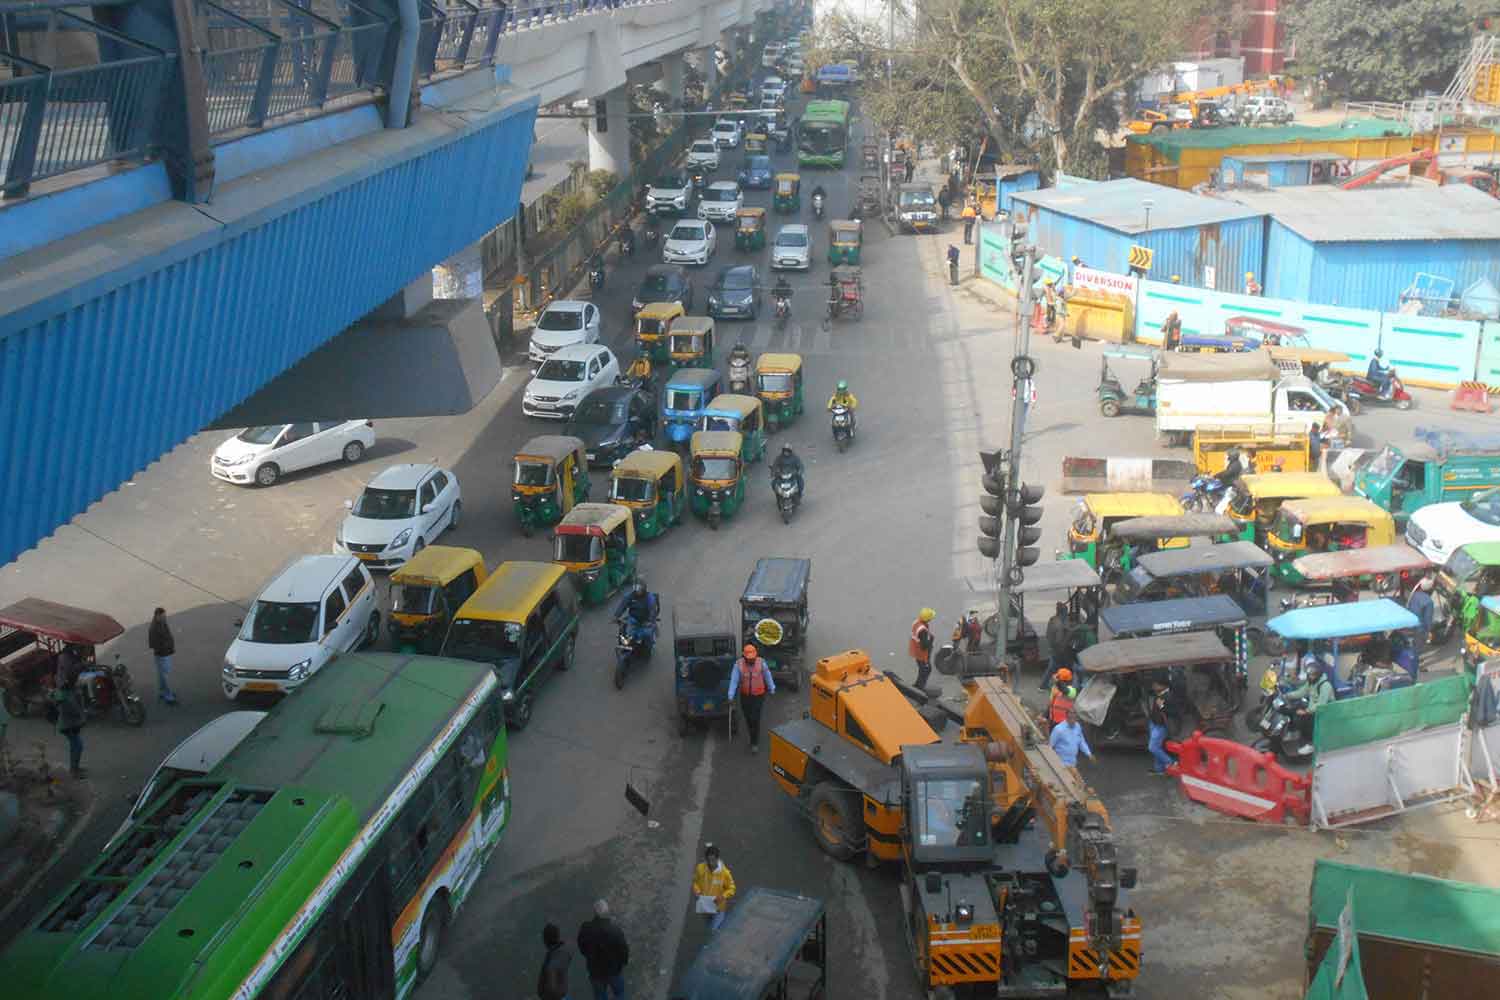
(403, 72)
(1020, 398)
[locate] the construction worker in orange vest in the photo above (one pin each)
(752, 679)
(920, 646)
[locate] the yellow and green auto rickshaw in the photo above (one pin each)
(778, 384)
(652, 484)
(743, 414)
(750, 229)
(1257, 498)
(845, 237)
(1324, 524)
(755, 144)
(1482, 635)
(717, 475)
(788, 198)
(596, 543)
(551, 475)
(691, 342)
(425, 593)
(1091, 532)
(653, 325)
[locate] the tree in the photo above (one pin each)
(1391, 51)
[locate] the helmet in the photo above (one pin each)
(1379, 353)
(751, 652)
(1063, 675)
(1075, 259)
(1250, 275)
(740, 348)
(927, 615)
(842, 386)
(640, 587)
(1050, 281)
(786, 449)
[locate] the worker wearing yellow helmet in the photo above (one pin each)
(920, 646)
(1252, 287)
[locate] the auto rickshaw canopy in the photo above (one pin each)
(552, 448)
(62, 622)
(771, 364)
(1482, 553)
(661, 310)
(1288, 485)
(1146, 529)
(1336, 510)
(1340, 621)
(749, 955)
(438, 566)
(1221, 558)
(1308, 355)
(1121, 505)
(717, 443)
(750, 220)
(1157, 652)
(842, 232)
(1376, 560)
(642, 464)
(513, 591)
(733, 404)
(693, 380)
(599, 520)
(693, 324)
(787, 184)
(1173, 616)
(1059, 574)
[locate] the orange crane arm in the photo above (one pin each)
(1372, 174)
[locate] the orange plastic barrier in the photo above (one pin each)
(1231, 778)
(1471, 396)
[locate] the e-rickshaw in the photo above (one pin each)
(1324, 629)
(1217, 614)
(867, 197)
(787, 198)
(651, 483)
(717, 474)
(755, 144)
(869, 155)
(1387, 570)
(425, 593)
(733, 412)
(1471, 574)
(773, 945)
(773, 616)
(523, 621)
(1236, 569)
(846, 292)
(1082, 592)
(1258, 497)
(1313, 362)
(1113, 399)
(1482, 634)
(1205, 686)
(691, 342)
(596, 543)
(705, 645)
(1270, 450)
(1143, 535)
(750, 229)
(1265, 332)
(684, 398)
(35, 632)
(1324, 524)
(845, 238)
(551, 475)
(653, 325)
(778, 384)
(1091, 532)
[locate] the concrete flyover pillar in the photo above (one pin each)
(708, 67)
(672, 67)
(609, 147)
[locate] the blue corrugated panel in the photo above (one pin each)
(1028, 181)
(1289, 264)
(107, 385)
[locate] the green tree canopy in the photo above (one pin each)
(1388, 51)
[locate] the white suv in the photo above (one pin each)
(398, 514)
(703, 154)
(727, 133)
(1265, 109)
(315, 609)
(568, 376)
(721, 200)
(262, 455)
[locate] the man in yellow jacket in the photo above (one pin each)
(713, 887)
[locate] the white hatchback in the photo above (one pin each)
(792, 249)
(315, 609)
(399, 513)
(568, 376)
(262, 455)
(1441, 529)
(691, 241)
(562, 324)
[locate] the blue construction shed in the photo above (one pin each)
(1271, 170)
(1364, 248)
(1007, 179)
(1205, 242)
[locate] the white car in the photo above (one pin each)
(1440, 529)
(691, 241)
(721, 200)
(399, 513)
(571, 374)
(792, 249)
(704, 155)
(562, 324)
(727, 133)
(315, 609)
(773, 85)
(794, 66)
(670, 194)
(194, 757)
(262, 455)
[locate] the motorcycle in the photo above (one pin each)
(627, 242)
(635, 642)
(596, 274)
(112, 690)
(1284, 731)
(1363, 390)
(1205, 494)
(817, 202)
(739, 375)
(783, 310)
(788, 496)
(698, 178)
(653, 232)
(843, 427)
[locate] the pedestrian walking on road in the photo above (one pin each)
(968, 216)
(944, 200)
(159, 638)
(1067, 739)
(920, 646)
(1420, 604)
(552, 981)
(752, 679)
(713, 888)
(1156, 721)
(1059, 643)
(68, 704)
(602, 944)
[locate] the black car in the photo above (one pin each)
(735, 292)
(663, 283)
(612, 421)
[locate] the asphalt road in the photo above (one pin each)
(890, 527)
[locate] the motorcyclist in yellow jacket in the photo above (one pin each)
(843, 397)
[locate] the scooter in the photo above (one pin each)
(1205, 494)
(1285, 731)
(783, 310)
(636, 642)
(739, 375)
(596, 274)
(788, 495)
(653, 232)
(843, 427)
(1363, 391)
(817, 202)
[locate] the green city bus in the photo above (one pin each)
(823, 134)
(322, 858)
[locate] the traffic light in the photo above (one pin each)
(1023, 503)
(601, 115)
(992, 503)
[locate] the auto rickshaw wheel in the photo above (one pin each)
(15, 704)
(566, 663)
(520, 715)
(1109, 407)
(838, 832)
(132, 712)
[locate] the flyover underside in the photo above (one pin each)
(120, 342)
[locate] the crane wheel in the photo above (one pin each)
(835, 825)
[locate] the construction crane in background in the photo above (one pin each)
(1201, 108)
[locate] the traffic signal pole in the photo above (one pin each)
(1022, 369)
